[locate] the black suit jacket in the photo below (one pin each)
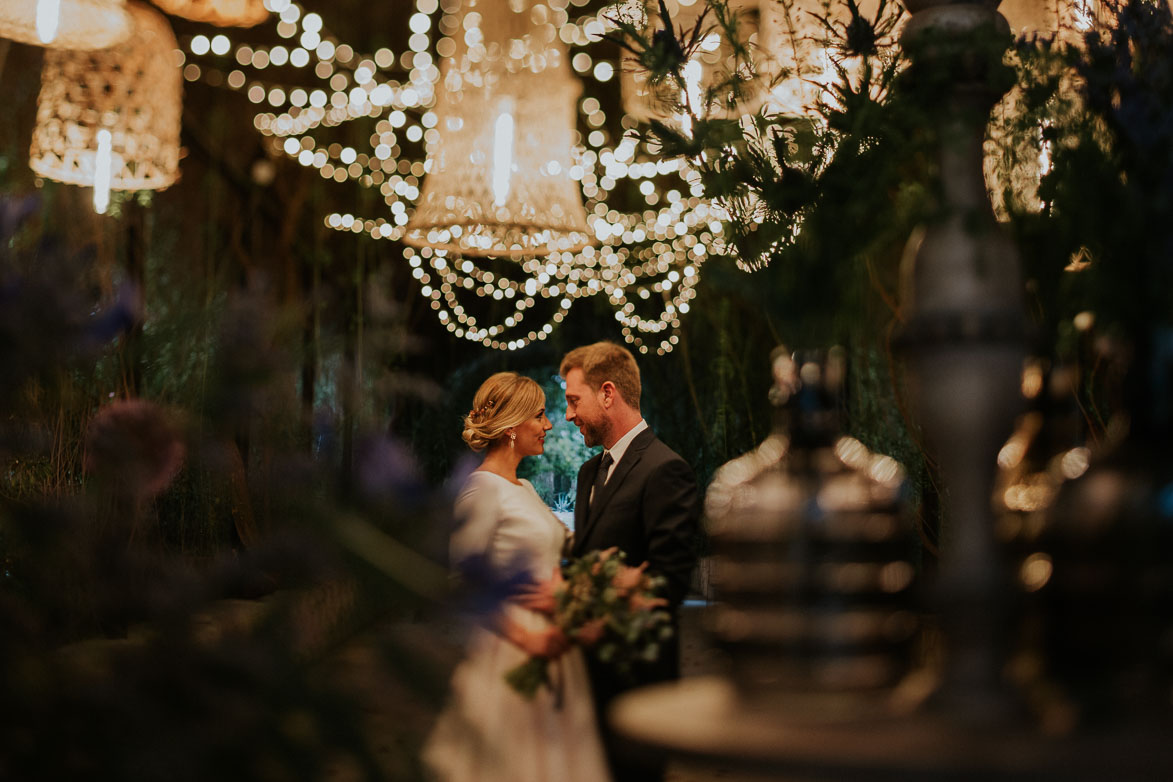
(648, 508)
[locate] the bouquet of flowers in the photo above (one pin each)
(607, 607)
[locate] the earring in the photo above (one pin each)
(513, 439)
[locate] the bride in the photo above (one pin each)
(488, 731)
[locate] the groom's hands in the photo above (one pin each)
(540, 597)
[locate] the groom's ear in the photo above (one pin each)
(609, 393)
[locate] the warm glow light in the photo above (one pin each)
(1085, 15)
(502, 153)
(1035, 572)
(48, 19)
(102, 164)
(692, 94)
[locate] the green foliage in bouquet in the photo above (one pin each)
(610, 609)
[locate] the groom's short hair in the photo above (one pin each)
(603, 361)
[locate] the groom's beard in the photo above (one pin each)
(594, 434)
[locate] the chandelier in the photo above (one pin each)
(65, 24)
(648, 230)
(498, 178)
(110, 119)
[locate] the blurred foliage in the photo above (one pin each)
(824, 204)
(185, 593)
(820, 209)
(1096, 239)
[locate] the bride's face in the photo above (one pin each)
(531, 434)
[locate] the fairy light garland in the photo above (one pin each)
(648, 259)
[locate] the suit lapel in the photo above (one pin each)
(586, 478)
(595, 510)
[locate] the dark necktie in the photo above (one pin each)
(601, 475)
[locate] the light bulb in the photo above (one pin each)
(102, 172)
(502, 152)
(48, 19)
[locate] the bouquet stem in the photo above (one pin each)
(529, 676)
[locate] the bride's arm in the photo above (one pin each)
(476, 513)
(540, 596)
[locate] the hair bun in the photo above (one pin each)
(474, 436)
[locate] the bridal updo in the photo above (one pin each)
(502, 402)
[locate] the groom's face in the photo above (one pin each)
(584, 410)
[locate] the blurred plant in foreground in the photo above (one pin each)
(294, 654)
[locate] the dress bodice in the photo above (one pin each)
(509, 525)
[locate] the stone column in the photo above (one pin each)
(963, 346)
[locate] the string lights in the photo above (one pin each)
(645, 259)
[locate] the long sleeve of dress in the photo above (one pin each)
(477, 513)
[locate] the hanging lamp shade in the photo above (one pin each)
(110, 119)
(498, 178)
(222, 13)
(710, 71)
(65, 24)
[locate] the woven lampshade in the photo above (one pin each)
(65, 24)
(222, 13)
(711, 66)
(112, 114)
(498, 181)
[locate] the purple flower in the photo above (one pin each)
(133, 446)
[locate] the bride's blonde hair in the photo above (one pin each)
(503, 401)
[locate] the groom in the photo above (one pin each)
(637, 495)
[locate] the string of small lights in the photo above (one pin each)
(648, 259)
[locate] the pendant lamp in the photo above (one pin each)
(65, 24)
(498, 178)
(110, 119)
(222, 13)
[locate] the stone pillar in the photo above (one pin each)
(963, 346)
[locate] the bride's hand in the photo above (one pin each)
(547, 642)
(539, 597)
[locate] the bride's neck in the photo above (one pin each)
(503, 461)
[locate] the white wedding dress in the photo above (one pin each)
(488, 732)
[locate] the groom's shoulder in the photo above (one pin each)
(660, 452)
